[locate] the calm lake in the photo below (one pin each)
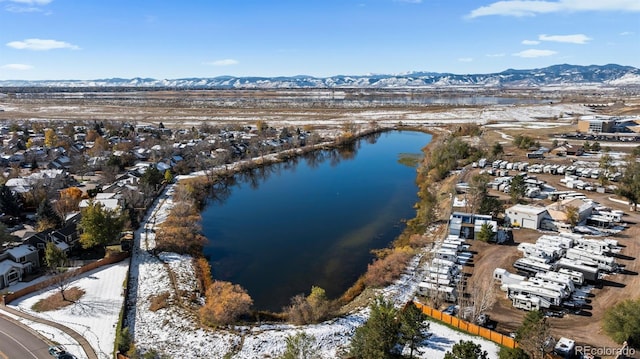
(312, 220)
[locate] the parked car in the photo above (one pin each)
(451, 310)
(482, 319)
(59, 353)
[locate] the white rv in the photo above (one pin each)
(589, 273)
(532, 266)
(603, 262)
(430, 290)
(556, 277)
(552, 296)
(576, 277)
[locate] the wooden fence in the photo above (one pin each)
(465, 326)
(113, 258)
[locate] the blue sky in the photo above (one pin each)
(92, 39)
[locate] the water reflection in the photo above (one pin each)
(313, 220)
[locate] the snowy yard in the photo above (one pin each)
(94, 315)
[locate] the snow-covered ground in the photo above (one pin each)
(94, 315)
(176, 332)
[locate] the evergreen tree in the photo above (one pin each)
(515, 353)
(413, 327)
(517, 189)
(152, 177)
(300, 346)
(486, 233)
(47, 216)
(378, 335)
(497, 149)
(466, 350)
(10, 202)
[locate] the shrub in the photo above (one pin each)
(385, 270)
(312, 309)
(226, 302)
(159, 301)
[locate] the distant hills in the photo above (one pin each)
(563, 75)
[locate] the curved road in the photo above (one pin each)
(18, 342)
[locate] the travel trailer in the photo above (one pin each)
(532, 266)
(591, 274)
(603, 262)
(576, 277)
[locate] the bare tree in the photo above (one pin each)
(63, 281)
(482, 295)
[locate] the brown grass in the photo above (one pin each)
(55, 301)
(159, 301)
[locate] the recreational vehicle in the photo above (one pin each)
(532, 265)
(603, 262)
(589, 273)
(562, 289)
(576, 277)
(447, 254)
(529, 303)
(430, 290)
(560, 278)
(506, 278)
(553, 297)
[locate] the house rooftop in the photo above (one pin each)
(527, 209)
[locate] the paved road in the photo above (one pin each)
(20, 343)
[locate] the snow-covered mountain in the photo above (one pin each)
(609, 75)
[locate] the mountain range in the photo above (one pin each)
(566, 75)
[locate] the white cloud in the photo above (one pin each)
(530, 42)
(32, 2)
(572, 39)
(19, 67)
(225, 62)
(496, 55)
(410, 1)
(25, 5)
(535, 7)
(534, 53)
(465, 59)
(41, 45)
(626, 33)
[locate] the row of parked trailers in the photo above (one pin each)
(553, 169)
(553, 267)
(445, 270)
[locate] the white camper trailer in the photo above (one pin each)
(506, 278)
(601, 261)
(532, 266)
(589, 273)
(430, 289)
(576, 277)
(557, 277)
(553, 297)
(447, 254)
